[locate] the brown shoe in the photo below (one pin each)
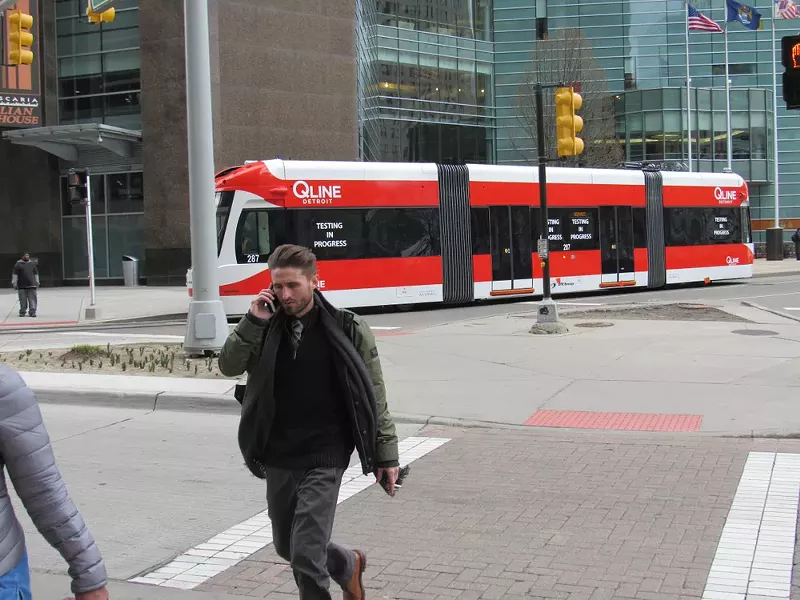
(355, 587)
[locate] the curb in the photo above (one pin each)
(166, 320)
(150, 401)
(772, 311)
(227, 404)
(212, 403)
(777, 274)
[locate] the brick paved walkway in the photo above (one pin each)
(537, 514)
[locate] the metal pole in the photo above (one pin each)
(542, 159)
(89, 236)
(728, 95)
(688, 94)
(775, 125)
(207, 325)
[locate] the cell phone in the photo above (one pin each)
(397, 484)
(269, 305)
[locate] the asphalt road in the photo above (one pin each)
(775, 293)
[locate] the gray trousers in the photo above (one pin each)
(27, 301)
(301, 506)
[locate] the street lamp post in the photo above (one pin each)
(207, 325)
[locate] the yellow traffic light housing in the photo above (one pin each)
(107, 16)
(568, 124)
(20, 40)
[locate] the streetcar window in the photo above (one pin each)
(399, 232)
(258, 233)
(480, 231)
(747, 235)
(223, 201)
(332, 234)
(702, 226)
(338, 234)
(639, 228)
(580, 229)
(555, 223)
(568, 228)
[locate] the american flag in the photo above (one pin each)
(699, 22)
(785, 9)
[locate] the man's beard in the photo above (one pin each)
(297, 307)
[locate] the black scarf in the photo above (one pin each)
(258, 407)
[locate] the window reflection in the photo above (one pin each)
(463, 18)
(667, 140)
(98, 66)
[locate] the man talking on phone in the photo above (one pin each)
(314, 394)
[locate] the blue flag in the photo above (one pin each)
(746, 15)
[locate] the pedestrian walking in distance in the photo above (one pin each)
(27, 457)
(25, 279)
(314, 393)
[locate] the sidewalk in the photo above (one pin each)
(694, 375)
(514, 515)
(767, 268)
(66, 305)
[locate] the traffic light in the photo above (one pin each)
(568, 124)
(790, 57)
(106, 16)
(76, 185)
(20, 40)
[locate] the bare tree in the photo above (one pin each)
(567, 57)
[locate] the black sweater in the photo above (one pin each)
(311, 427)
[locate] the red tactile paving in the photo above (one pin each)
(570, 419)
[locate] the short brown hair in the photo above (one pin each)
(290, 256)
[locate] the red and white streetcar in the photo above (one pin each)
(407, 233)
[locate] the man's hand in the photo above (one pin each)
(260, 307)
(391, 477)
(99, 594)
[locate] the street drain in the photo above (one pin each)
(595, 324)
(756, 332)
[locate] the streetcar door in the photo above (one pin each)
(511, 248)
(616, 244)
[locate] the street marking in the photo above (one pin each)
(755, 553)
(580, 303)
(234, 545)
(567, 303)
(124, 335)
(378, 328)
(573, 419)
(790, 308)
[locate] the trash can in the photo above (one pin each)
(130, 271)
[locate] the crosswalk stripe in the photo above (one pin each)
(234, 545)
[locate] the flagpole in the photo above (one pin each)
(775, 121)
(688, 91)
(728, 92)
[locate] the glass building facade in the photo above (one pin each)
(425, 80)
(99, 82)
(437, 78)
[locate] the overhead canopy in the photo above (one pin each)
(63, 140)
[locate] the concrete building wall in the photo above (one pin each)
(283, 83)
